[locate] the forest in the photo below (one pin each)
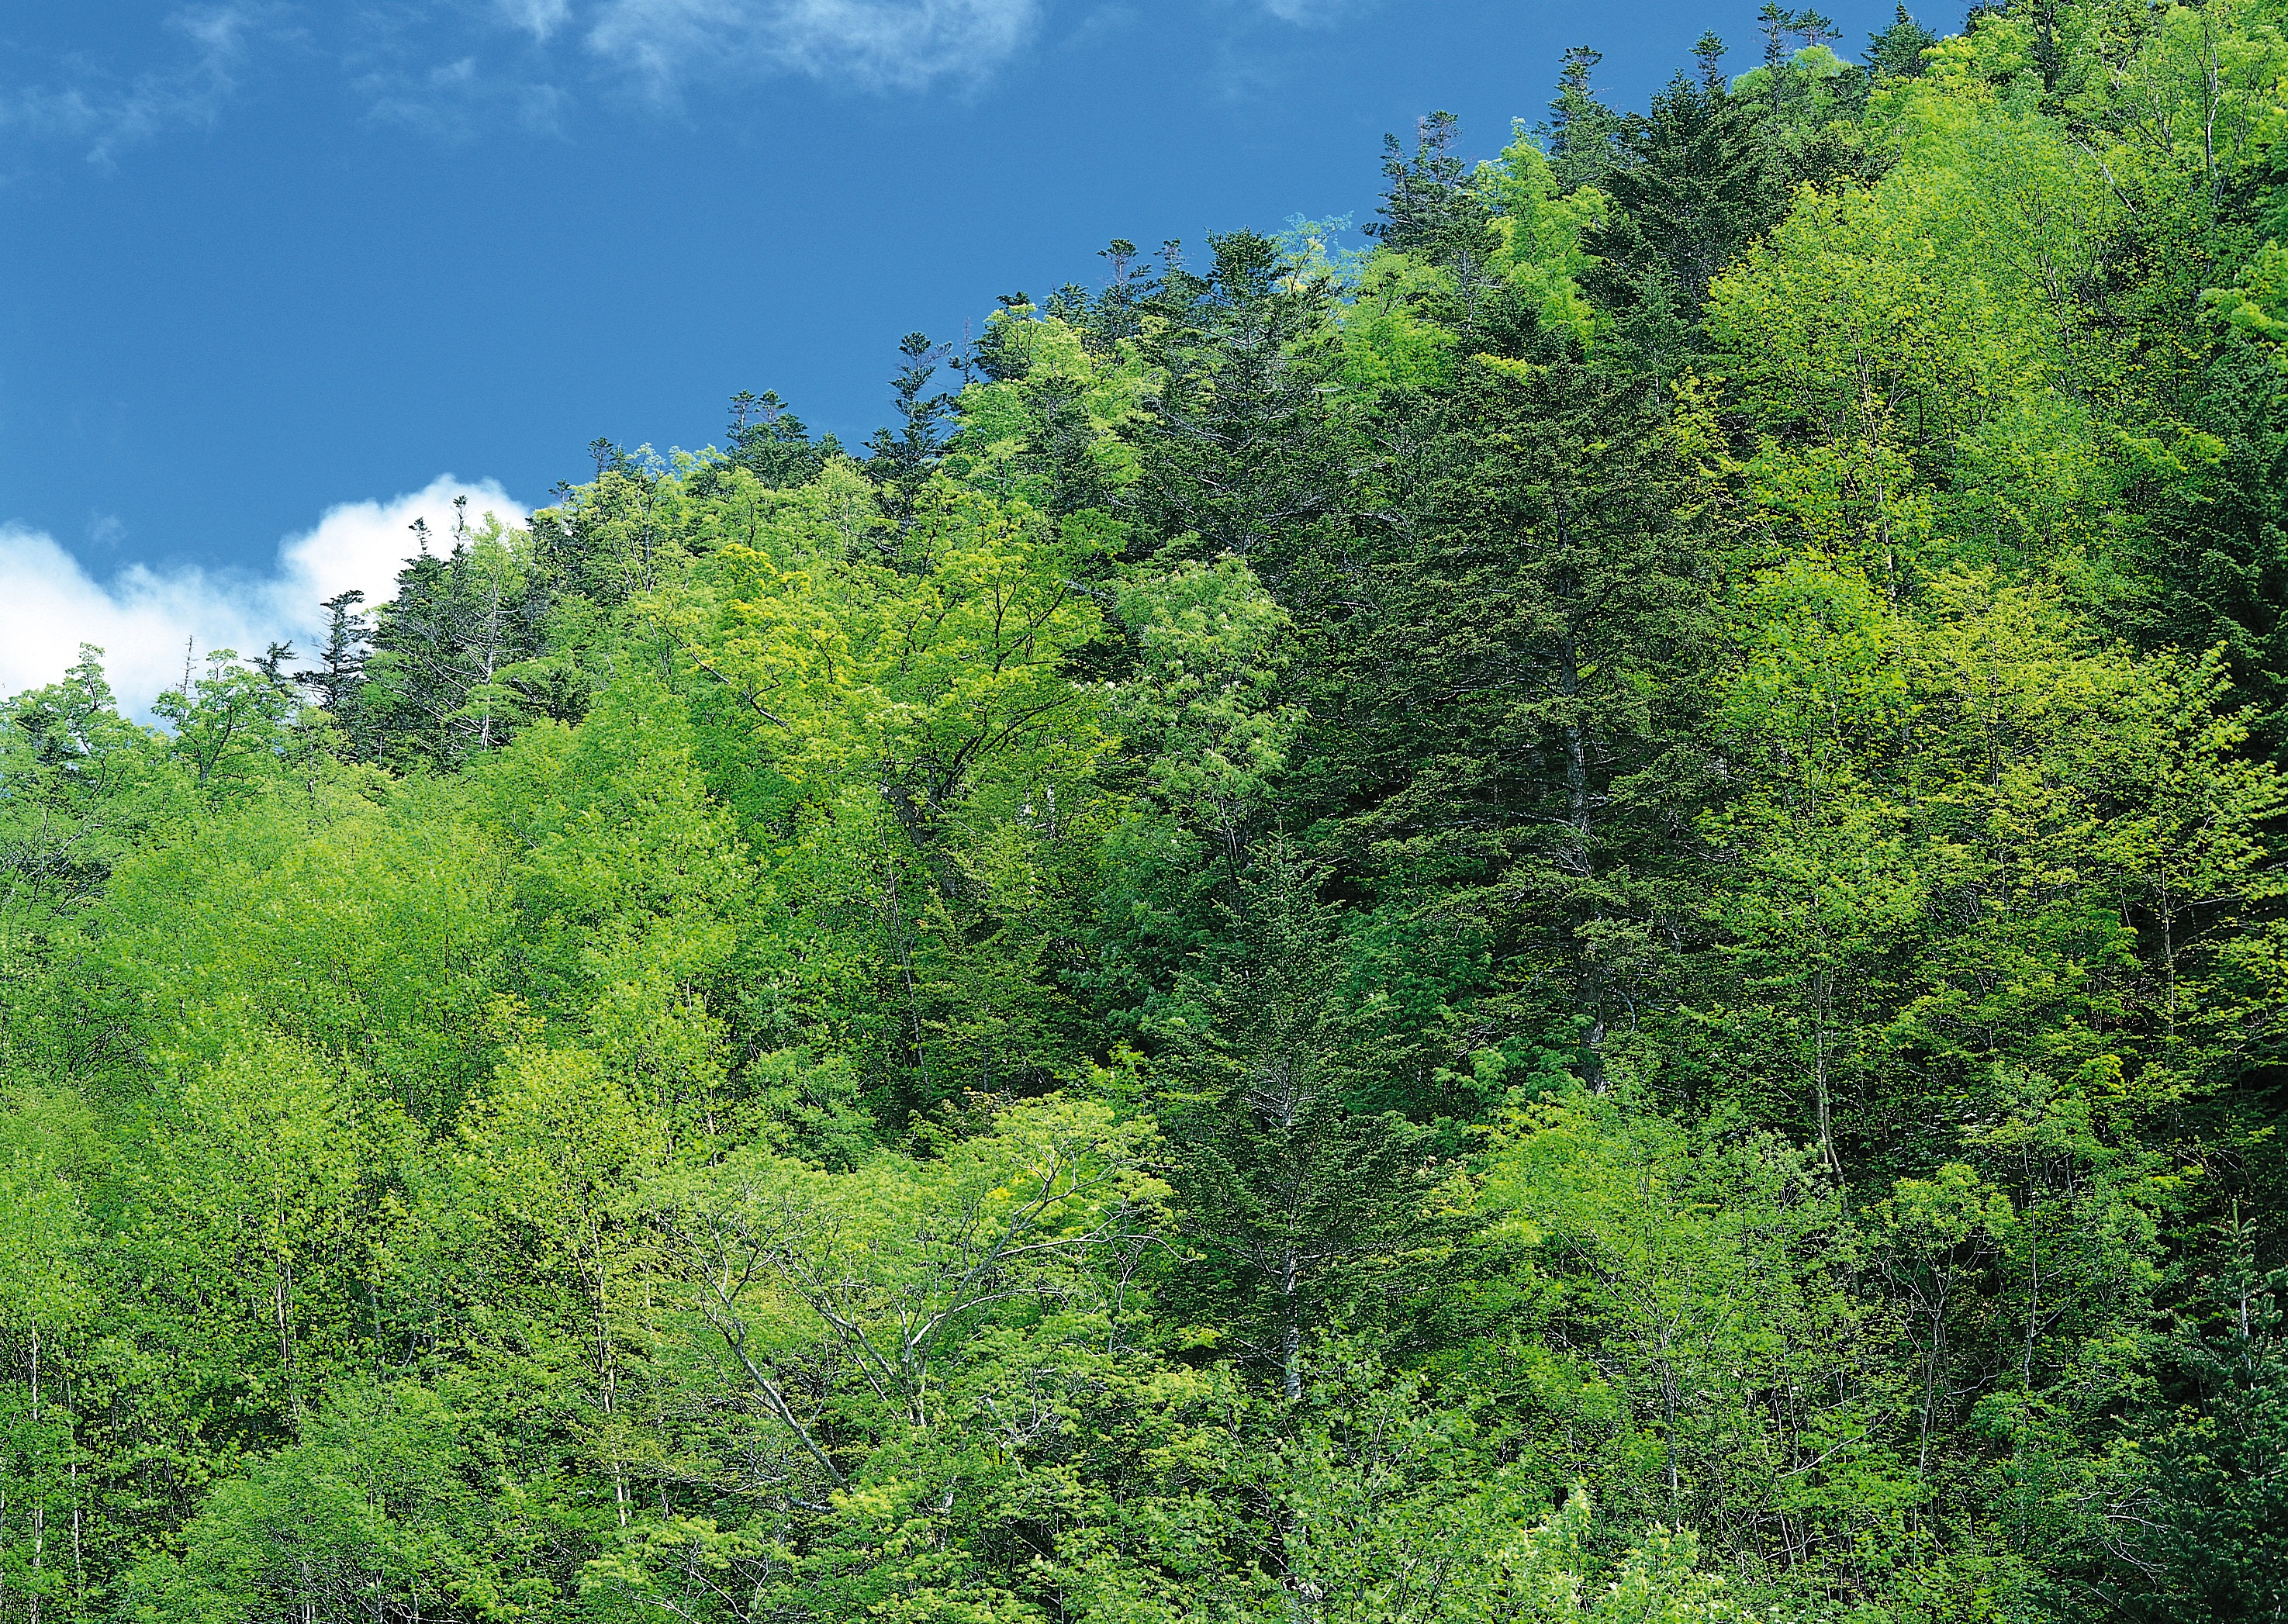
(1573, 913)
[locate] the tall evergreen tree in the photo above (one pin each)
(1300, 1207)
(769, 441)
(1238, 453)
(1517, 716)
(339, 674)
(1580, 130)
(1897, 52)
(1429, 207)
(1693, 188)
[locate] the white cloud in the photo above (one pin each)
(49, 604)
(458, 100)
(880, 45)
(454, 68)
(110, 115)
(538, 17)
(1313, 14)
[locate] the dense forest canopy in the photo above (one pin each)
(1577, 915)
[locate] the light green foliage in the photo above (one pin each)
(1212, 646)
(85, 788)
(368, 933)
(1388, 342)
(1694, 1310)
(1911, 350)
(1058, 387)
(375, 1512)
(1304, 244)
(2260, 290)
(1392, 1513)
(49, 1308)
(628, 879)
(919, 670)
(229, 726)
(1541, 233)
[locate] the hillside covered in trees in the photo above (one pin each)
(1576, 918)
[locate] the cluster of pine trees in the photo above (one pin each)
(1576, 917)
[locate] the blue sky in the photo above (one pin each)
(278, 276)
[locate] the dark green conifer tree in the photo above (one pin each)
(1299, 1208)
(1514, 717)
(1580, 130)
(769, 441)
(1897, 52)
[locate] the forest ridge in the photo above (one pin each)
(1578, 916)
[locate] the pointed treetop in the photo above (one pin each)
(1813, 29)
(1773, 23)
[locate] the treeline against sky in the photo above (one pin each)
(1576, 917)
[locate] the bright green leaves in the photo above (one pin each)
(2257, 301)
(1390, 340)
(1046, 429)
(1958, 916)
(1393, 1507)
(51, 1303)
(970, 662)
(80, 788)
(1673, 1291)
(370, 933)
(2071, 796)
(1541, 233)
(1911, 355)
(382, 1507)
(895, 714)
(893, 1331)
(927, 672)
(230, 727)
(1203, 705)
(888, 1272)
(632, 882)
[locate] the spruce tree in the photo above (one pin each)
(340, 672)
(1580, 130)
(1299, 1206)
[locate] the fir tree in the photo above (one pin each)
(769, 441)
(1897, 52)
(1580, 130)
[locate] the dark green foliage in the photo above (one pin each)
(1300, 1204)
(1243, 458)
(1517, 708)
(340, 672)
(434, 686)
(903, 460)
(1580, 130)
(1695, 187)
(1428, 208)
(772, 443)
(1897, 51)
(2215, 1477)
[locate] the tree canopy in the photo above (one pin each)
(1573, 913)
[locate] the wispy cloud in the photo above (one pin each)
(1313, 14)
(88, 105)
(456, 68)
(451, 67)
(460, 99)
(877, 45)
(538, 17)
(140, 618)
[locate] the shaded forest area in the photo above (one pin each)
(1576, 917)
